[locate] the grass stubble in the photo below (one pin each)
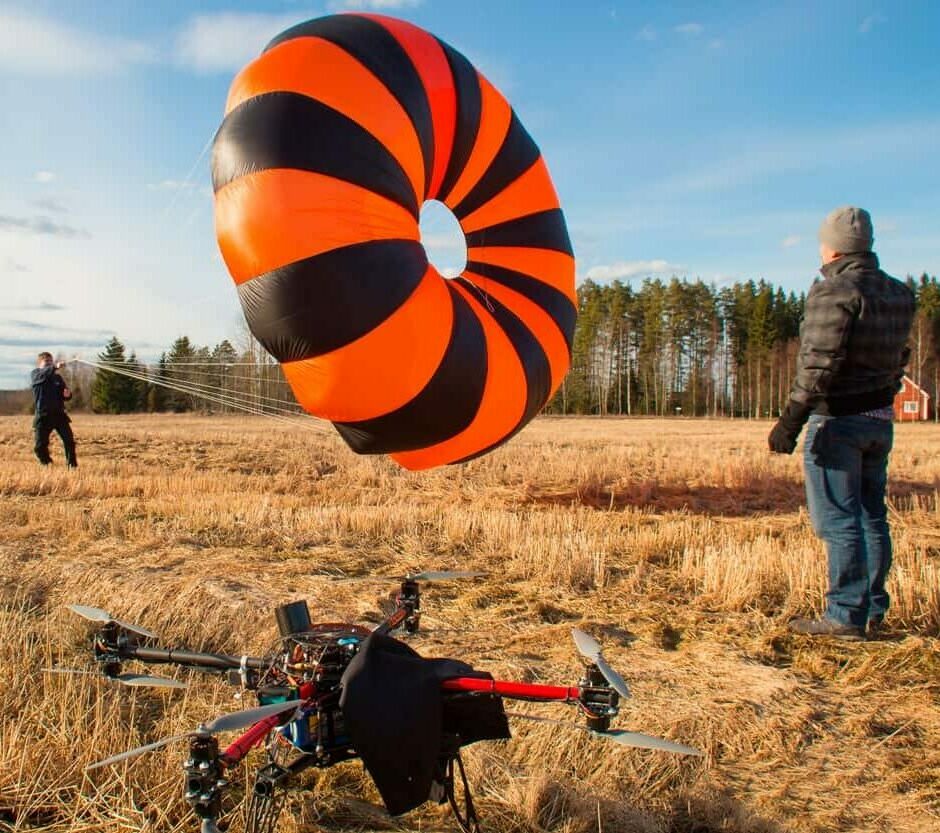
(681, 544)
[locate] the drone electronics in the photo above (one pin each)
(337, 691)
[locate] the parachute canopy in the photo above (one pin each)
(332, 141)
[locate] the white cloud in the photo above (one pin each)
(44, 176)
(716, 44)
(625, 269)
(647, 33)
(39, 225)
(447, 242)
(172, 185)
(804, 151)
(790, 241)
(11, 265)
(372, 5)
(50, 204)
(35, 45)
(870, 22)
(226, 41)
(691, 29)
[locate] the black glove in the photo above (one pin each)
(783, 435)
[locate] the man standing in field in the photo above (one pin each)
(853, 349)
(50, 394)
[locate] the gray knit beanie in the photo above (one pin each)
(847, 230)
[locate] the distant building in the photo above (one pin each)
(912, 402)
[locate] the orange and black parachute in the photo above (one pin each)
(332, 141)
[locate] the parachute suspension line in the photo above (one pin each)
(289, 404)
(225, 400)
(249, 405)
(205, 391)
(182, 186)
(292, 416)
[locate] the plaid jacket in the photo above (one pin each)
(853, 338)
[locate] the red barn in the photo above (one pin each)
(912, 402)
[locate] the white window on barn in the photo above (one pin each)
(911, 407)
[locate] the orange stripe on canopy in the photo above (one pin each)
(530, 193)
(384, 369)
(540, 324)
(323, 71)
(429, 60)
(501, 408)
(546, 265)
(495, 116)
(274, 217)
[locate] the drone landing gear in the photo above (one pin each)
(444, 789)
(267, 800)
(270, 793)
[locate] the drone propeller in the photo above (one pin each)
(225, 723)
(443, 575)
(138, 680)
(425, 575)
(96, 614)
(147, 680)
(634, 740)
(590, 649)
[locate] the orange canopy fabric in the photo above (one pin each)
(332, 140)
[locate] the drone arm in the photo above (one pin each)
(242, 745)
(192, 659)
(513, 690)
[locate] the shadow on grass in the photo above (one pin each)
(762, 496)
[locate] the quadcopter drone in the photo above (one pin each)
(337, 691)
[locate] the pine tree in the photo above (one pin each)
(111, 392)
(178, 369)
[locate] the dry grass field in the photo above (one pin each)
(681, 544)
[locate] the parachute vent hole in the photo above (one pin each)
(443, 239)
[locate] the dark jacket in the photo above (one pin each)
(48, 391)
(853, 338)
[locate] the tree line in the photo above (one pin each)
(691, 348)
(187, 377)
(677, 347)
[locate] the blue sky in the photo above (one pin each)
(699, 139)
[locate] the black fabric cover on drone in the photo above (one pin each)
(292, 310)
(542, 230)
(394, 712)
(289, 130)
(370, 43)
(446, 405)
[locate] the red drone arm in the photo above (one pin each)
(517, 691)
(243, 744)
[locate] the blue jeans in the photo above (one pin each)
(846, 462)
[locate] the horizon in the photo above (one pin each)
(701, 142)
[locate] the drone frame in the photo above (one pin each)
(206, 767)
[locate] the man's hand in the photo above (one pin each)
(782, 440)
(59, 365)
(784, 434)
